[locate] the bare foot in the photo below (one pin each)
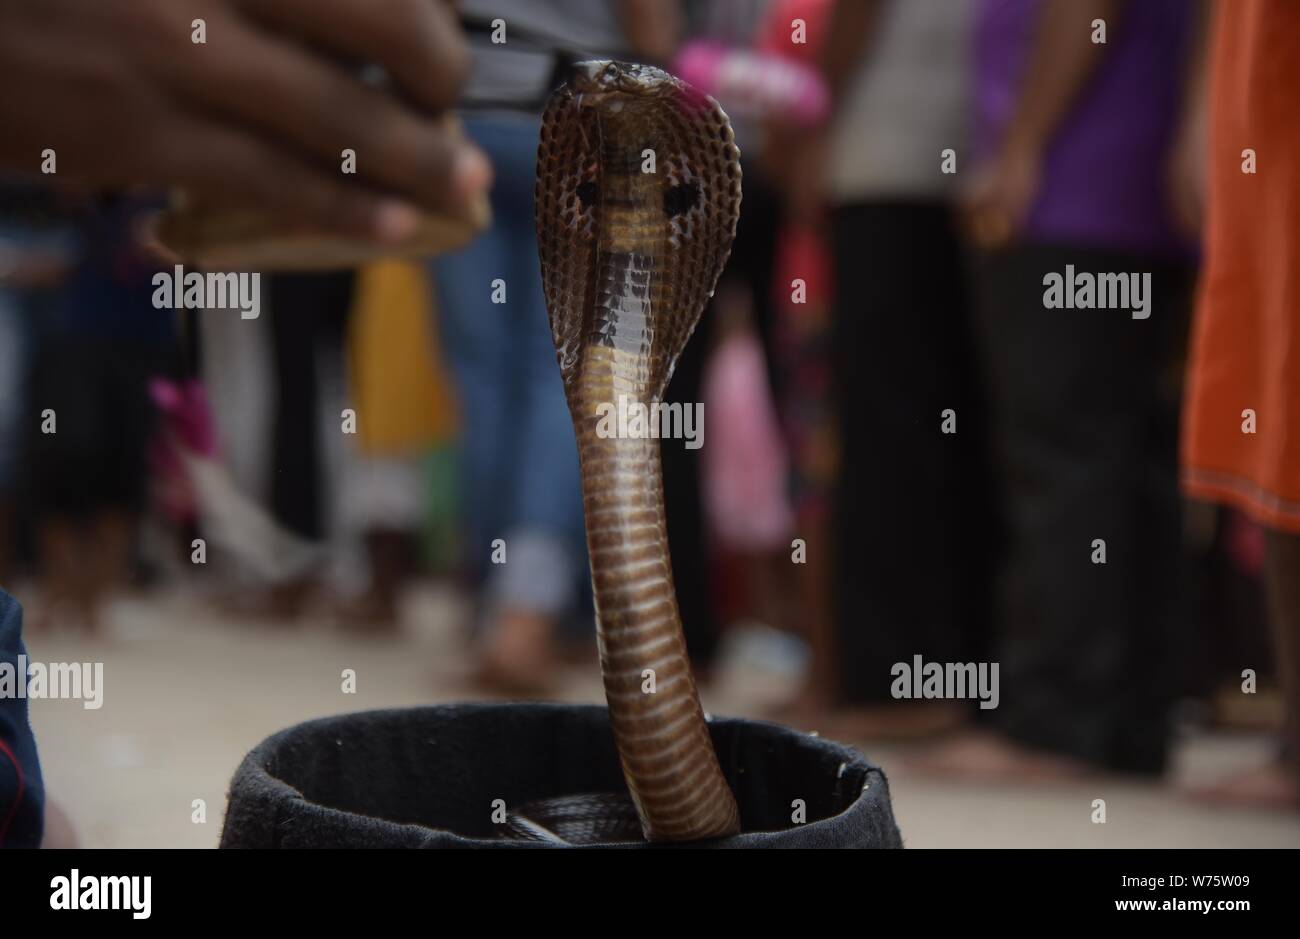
(988, 757)
(373, 614)
(278, 604)
(518, 656)
(807, 710)
(1270, 787)
(51, 614)
(908, 721)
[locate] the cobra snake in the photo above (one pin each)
(637, 199)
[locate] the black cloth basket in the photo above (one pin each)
(427, 778)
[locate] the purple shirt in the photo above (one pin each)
(1105, 170)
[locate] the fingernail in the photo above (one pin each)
(471, 173)
(395, 221)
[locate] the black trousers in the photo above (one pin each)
(1084, 418)
(751, 262)
(911, 514)
(308, 314)
(99, 391)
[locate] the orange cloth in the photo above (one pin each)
(403, 397)
(1246, 344)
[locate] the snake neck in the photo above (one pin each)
(654, 708)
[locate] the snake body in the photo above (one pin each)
(637, 199)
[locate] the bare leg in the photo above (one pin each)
(63, 577)
(113, 533)
(815, 588)
(818, 705)
(391, 561)
(101, 554)
(1276, 785)
(1282, 568)
(821, 692)
(768, 588)
(986, 756)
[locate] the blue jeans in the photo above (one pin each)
(519, 453)
(22, 311)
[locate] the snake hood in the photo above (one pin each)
(638, 175)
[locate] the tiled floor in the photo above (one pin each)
(186, 694)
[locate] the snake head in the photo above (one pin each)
(604, 77)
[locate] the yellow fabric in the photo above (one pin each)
(402, 395)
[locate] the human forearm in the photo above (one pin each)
(848, 35)
(1063, 59)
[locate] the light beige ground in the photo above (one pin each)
(187, 694)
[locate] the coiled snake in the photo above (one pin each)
(638, 194)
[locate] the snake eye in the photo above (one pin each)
(586, 193)
(681, 198)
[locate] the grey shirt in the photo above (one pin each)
(517, 73)
(905, 105)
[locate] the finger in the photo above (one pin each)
(418, 42)
(321, 109)
(228, 165)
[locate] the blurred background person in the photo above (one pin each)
(910, 537)
(1241, 430)
(37, 246)
(326, 416)
(407, 424)
(88, 436)
(1074, 137)
(743, 308)
(308, 316)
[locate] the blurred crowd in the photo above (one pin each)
(906, 453)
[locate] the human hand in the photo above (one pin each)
(255, 115)
(1188, 174)
(1001, 194)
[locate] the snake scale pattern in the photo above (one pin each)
(631, 251)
